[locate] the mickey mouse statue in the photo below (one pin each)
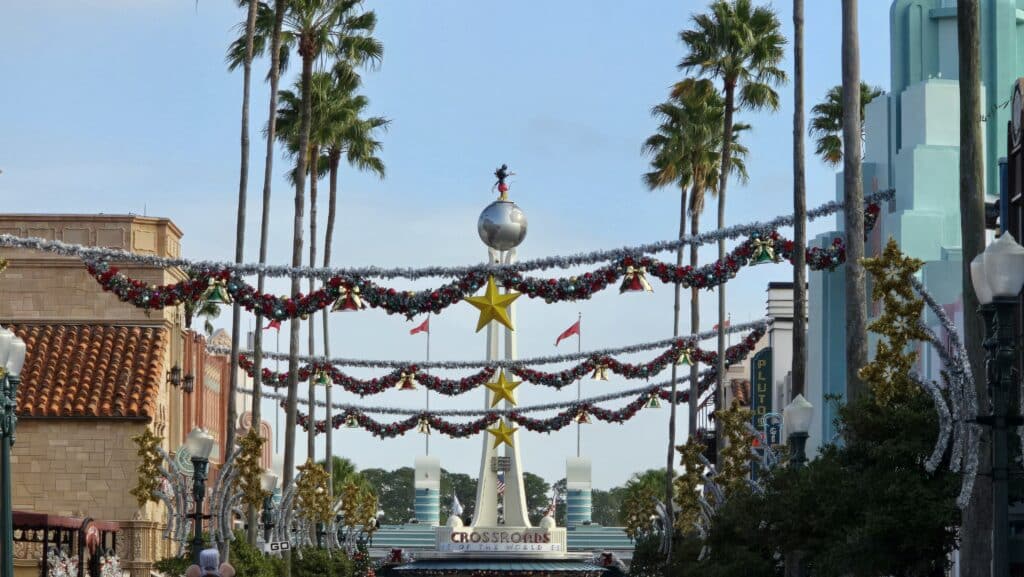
(210, 566)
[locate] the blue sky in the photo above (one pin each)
(118, 106)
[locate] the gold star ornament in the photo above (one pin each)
(493, 306)
(502, 434)
(503, 389)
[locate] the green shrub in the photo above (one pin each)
(249, 561)
(173, 566)
(320, 563)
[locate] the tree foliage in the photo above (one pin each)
(827, 121)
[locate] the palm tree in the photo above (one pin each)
(678, 148)
(742, 46)
(346, 132)
(243, 185)
(318, 29)
(685, 154)
(827, 121)
(289, 123)
(335, 122)
(853, 201)
(343, 471)
(975, 551)
(201, 308)
(268, 27)
(792, 560)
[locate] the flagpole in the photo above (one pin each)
(579, 392)
(427, 436)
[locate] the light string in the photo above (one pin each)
(681, 351)
(351, 293)
(758, 324)
(94, 254)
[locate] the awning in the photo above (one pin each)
(499, 567)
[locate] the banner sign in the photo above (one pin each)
(501, 541)
(761, 386)
(276, 547)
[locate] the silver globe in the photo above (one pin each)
(502, 226)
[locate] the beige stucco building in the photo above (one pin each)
(96, 375)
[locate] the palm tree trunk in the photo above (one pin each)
(976, 532)
(723, 181)
(335, 160)
(311, 433)
(694, 327)
(853, 206)
(243, 185)
(799, 207)
(672, 404)
(300, 186)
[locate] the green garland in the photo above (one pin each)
(250, 471)
(688, 484)
(899, 324)
(734, 469)
(314, 499)
(149, 467)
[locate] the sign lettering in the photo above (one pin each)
(499, 541)
(276, 547)
(761, 381)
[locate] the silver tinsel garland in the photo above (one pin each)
(505, 364)
(961, 431)
(385, 410)
(94, 254)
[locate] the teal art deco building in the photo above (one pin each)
(912, 145)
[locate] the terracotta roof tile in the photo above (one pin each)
(91, 370)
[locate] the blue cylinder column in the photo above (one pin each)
(427, 503)
(428, 506)
(578, 507)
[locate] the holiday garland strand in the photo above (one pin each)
(681, 351)
(504, 363)
(349, 293)
(92, 253)
(576, 411)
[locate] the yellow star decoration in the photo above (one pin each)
(503, 389)
(314, 501)
(502, 434)
(899, 325)
(493, 306)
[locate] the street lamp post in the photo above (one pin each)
(268, 482)
(12, 357)
(199, 445)
(997, 276)
(797, 417)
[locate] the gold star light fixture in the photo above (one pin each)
(493, 306)
(503, 390)
(502, 434)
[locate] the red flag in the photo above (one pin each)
(274, 324)
(423, 328)
(715, 328)
(573, 330)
